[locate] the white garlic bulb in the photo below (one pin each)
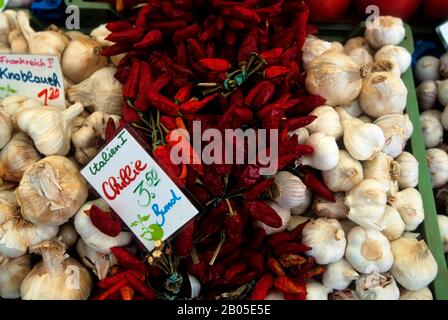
(48, 42)
(303, 206)
(92, 131)
(12, 104)
(383, 93)
(398, 55)
(409, 204)
(100, 34)
(314, 47)
(443, 227)
(302, 135)
(408, 170)
(356, 42)
(327, 122)
(17, 234)
(422, 294)
(17, 42)
(442, 92)
(397, 129)
(361, 55)
(427, 68)
(347, 173)
(376, 286)
(368, 250)
(438, 166)
(99, 263)
(274, 294)
(287, 190)
(16, 157)
(362, 140)
(326, 239)
(326, 152)
(285, 215)
(295, 221)
(353, 108)
(383, 169)
(334, 210)
(392, 224)
(432, 129)
(57, 276)
(8, 205)
(51, 191)
(339, 275)
(366, 203)
(101, 92)
(414, 265)
(388, 30)
(67, 234)
(49, 127)
(444, 118)
(427, 94)
(81, 59)
(316, 290)
(5, 129)
(12, 273)
(92, 236)
(335, 77)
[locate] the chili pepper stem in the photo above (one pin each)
(194, 255)
(218, 248)
(232, 213)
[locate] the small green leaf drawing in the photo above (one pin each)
(2, 3)
(145, 218)
(133, 224)
(156, 232)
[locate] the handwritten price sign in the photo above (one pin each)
(141, 193)
(32, 76)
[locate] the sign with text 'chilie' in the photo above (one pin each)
(138, 190)
(33, 76)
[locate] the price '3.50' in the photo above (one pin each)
(151, 180)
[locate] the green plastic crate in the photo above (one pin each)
(430, 226)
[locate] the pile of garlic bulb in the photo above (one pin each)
(359, 138)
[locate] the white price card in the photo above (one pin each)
(138, 190)
(442, 31)
(33, 76)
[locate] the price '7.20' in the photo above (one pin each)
(48, 94)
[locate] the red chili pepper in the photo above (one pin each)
(118, 26)
(183, 34)
(162, 156)
(152, 38)
(214, 64)
(159, 83)
(290, 247)
(276, 239)
(312, 182)
(105, 221)
(127, 293)
(144, 290)
(234, 269)
(114, 289)
(235, 24)
(128, 260)
(162, 103)
(291, 260)
(275, 267)
(258, 189)
(292, 296)
(263, 212)
(244, 14)
(260, 94)
(145, 83)
(168, 26)
(254, 260)
(296, 123)
(111, 130)
(248, 46)
(183, 94)
(126, 36)
(182, 55)
(110, 281)
(275, 71)
(131, 85)
(277, 106)
(129, 114)
(168, 122)
(309, 103)
(272, 55)
(208, 34)
(115, 49)
(196, 49)
(262, 287)
(287, 285)
(243, 278)
(256, 239)
(194, 106)
(184, 240)
(143, 16)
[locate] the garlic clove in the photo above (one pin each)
(17, 41)
(12, 104)
(422, 294)
(408, 170)
(438, 166)
(334, 210)
(388, 30)
(316, 290)
(443, 227)
(326, 152)
(5, 129)
(383, 169)
(285, 215)
(287, 190)
(98, 262)
(8, 205)
(376, 286)
(361, 55)
(347, 173)
(356, 42)
(427, 94)
(398, 55)
(327, 122)
(409, 204)
(12, 273)
(304, 204)
(397, 129)
(353, 108)
(339, 275)
(432, 128)
(392, 223)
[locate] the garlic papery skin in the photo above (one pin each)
(422, 294)
(87, 139)
(442, 92)
(67, 234)
(57, 276)
(427, 94)
(347, 294)
(361, 56)
(438, 166)
(49, 127)
(18, 155)
(99, 34)
(443, 227)
(17, 234)
(339, 275)
(381, 66)
(409, 204)
(99, 263)
(356, 42)
(383, 169)
(444, 118)
(432, 129)
(81, 59)
(335, 77)
(314, 47)
(414, 265)
(12, 104)
(92, 236)
(376, 286)
(362, 140)
(47, 42)
(304, 204)
(302, 135)
(316, 290)
(353, 108)
(17, 42)
(383, 93)
(334, 210)
(295, 221)
(75, 35)
(285, 215)
(326, 152)
(101, 92)
(397, 129)
(12, 273)
(398, 55)
(327, 122)
(8, 205)
(347, 173)
(408, 170)
(386, 30)
(366, 203)
(427, 68)
(368, 250)
(51, 191)
(287, 190)
(392, 224)
(5, 129)
(326, 239)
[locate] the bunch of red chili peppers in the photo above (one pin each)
(229, 64)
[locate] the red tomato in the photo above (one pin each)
(327, 10)
(404, 9)
(436, 9)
